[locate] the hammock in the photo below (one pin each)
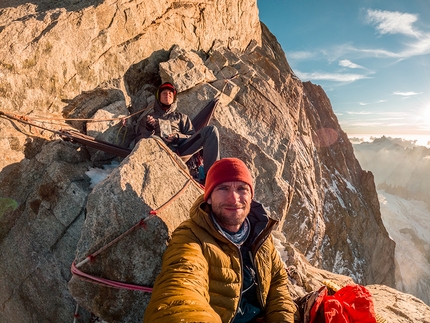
(205, 115)
(89, 141)
(199, 121)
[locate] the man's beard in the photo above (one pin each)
(225, 219)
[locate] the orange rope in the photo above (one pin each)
(41, 119)
(174, 156)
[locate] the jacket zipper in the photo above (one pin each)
(260, 294)
(261, 239)
(241, 281)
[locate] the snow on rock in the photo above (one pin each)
(97, 174)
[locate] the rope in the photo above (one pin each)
(23, 119)
(173, 156)
(95, 254)
(27, 120)
(107, 282)
(141, 223)
(88, 119)
(110, 283)
(76, 314)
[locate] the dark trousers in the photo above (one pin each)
(207, 139)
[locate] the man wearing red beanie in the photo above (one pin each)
(221, 265)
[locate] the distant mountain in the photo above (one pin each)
(402, 176)
(399, 167)
(408, 223)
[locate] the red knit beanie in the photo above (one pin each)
(166, 86)
(227, 170)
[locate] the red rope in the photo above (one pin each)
(107, 282)
(111, 283)
(141, 223)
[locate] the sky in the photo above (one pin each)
(371, 57)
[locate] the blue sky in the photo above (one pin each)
(372, 58)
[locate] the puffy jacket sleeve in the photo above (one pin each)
(186, 127)
(279, 304)
(180, 292)
(142, 131)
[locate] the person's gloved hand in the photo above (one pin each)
(174, 137)
(151, 123)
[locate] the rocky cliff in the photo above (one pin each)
(65, 62)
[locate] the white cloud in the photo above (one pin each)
(336, 77)
(394, 114)
(301, 55)
(390, 118)
(418, 48)
(385, 22)
(389, 22)
(349, 64)
(366, 124)
(376, 102)
(407, 94)
(360, 112)
(396, 124)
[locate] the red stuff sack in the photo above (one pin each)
(350, 304)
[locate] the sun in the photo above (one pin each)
(426, 116)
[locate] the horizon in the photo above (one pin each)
(371, 57)
(420, 140)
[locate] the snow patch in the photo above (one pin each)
(97, 175)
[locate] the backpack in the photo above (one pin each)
(350, 304)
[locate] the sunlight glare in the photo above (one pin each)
(426, 116)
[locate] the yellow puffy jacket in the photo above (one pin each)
(201, 274)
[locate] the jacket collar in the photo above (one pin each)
(258, 218)
(159, 110)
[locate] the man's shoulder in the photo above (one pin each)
(187, 231)
(180, 114)
(187, 225)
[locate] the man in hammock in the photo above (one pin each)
(176, 129)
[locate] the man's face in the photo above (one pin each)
(167, 97)
(231, 203)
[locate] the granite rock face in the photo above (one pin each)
(65, 65)
(53, 50)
